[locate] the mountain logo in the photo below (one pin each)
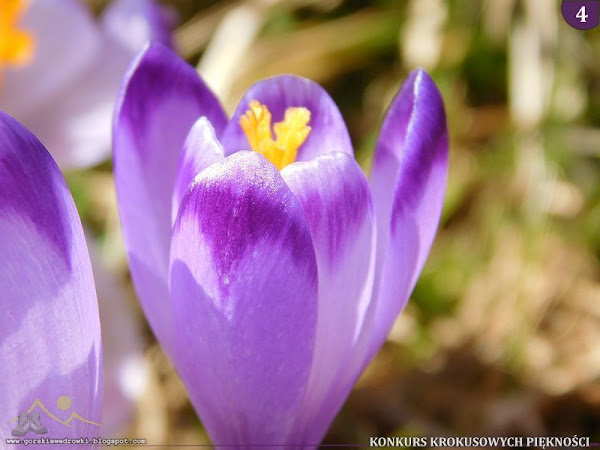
(30, 419)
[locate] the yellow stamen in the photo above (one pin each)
(291, 133)
(16, 46)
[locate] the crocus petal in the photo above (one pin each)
(49, 327)
(328, 130)
(201, 149)
(135, 22)
(65, 38)
(408, 182)
(161, 99)
(335, 195)
(244, 288)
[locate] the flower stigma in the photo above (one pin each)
(16, 46)
(291, 133)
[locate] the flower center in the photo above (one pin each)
(291, 133)
(16, 46)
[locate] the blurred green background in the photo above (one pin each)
(502, 334)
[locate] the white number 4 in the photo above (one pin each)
(581, 15)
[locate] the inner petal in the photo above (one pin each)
(290, 133)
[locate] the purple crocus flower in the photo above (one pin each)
(270, 268)
(50, 348)
(60, 69)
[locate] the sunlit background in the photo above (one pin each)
(502, 334)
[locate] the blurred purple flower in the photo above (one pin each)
(125, 369)
(60, 71)
(50, 348)
(271, 290)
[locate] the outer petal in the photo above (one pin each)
(201, 149)
(49, 327)
(244, 288)
(328, 130)
(161, 98)
(59, 58)
(409, 182)
(336, 198)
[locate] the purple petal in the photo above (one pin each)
(201, 149)
(244, 289)
(135, 22)
(336, 198)
(328, 130)
(160, 100)
(49, 328)
(408, 182)
(59, 58)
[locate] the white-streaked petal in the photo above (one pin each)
(49, 327)
(335, 195)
